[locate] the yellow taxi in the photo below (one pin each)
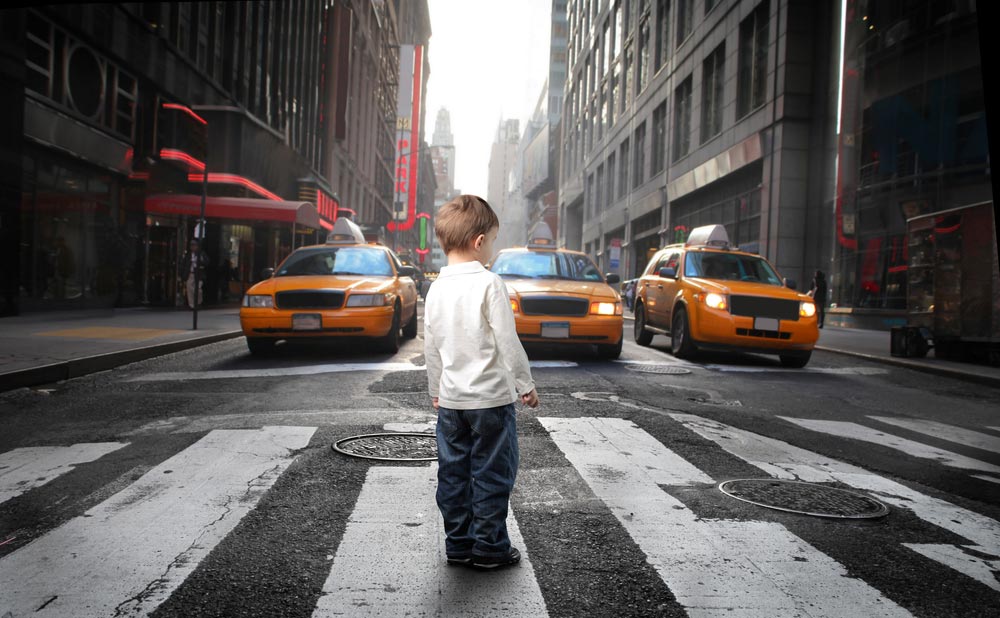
(560, 297)
(344, 288)
(705, 295)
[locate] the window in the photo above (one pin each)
(611, 178)
(642, 67)
(547, 265)
(639, 156)
(682, 119)
(612, 100)
(590, 197)
(602, 109)
(753, 61)
(659, 145)
(623, 153)
(709, 5)
(662, 33)
(711, 93)
(684, 10)
(599, 196)
(626, 78)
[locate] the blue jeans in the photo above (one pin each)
(477, 465)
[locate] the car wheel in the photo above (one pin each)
(642, 336)
(681, 343)
(410, 330)
(611, 352)
(390, 343)
(796, 361)
(260, 345)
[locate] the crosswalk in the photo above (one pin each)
(133, 551)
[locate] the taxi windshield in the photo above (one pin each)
(546, 265)
(336, 261)
(729, 267)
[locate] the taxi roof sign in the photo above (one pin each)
(541, 236)
(345, 232)
(708, 236)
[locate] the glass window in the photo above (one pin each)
(546, 265)
(711, 93)
(682, 119)
(684, 10)
(729, 267)
(752, 78)
(336, 261)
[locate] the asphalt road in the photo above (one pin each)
(202, 483)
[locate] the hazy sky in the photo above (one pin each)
(489, 60)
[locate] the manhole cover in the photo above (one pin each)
(804, 498)
(664, 369)
(390, 446)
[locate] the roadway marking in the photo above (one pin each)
(127, 555)
(713, 567)
(305, 370)
(784, 461)
(850, 371)
(391, 559)
(916, 449)
(950, 433)
(110, 332)
(23, 469)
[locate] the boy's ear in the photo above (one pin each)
(478, 242)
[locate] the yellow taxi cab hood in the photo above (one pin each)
(748, 288)
(351, 283)
(562, 287)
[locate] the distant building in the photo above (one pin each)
(503, 172)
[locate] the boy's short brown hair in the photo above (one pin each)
(460, 221)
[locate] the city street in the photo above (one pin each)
(203, 483)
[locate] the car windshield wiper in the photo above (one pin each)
(347, 272)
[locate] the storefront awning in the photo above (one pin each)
(242, 208)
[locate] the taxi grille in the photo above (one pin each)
(762, 307)
(309, 299)
(575, 307)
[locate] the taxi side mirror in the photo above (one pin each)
(612, 278)
(406, 271)
(267, 273)
(790, 283)
(668, 273)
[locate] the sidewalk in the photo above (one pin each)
(47, 347)
(873, 345)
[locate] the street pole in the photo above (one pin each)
(201, 243)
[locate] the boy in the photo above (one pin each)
(476, 368)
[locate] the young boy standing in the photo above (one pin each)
(476, 370)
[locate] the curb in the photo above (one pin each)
(915, 366)
(74, 368)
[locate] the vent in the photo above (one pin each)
(574, 307)
(309, 299)
(763, 307)
(766, 334)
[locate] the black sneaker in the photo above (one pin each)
(460, 560)
(492, 562)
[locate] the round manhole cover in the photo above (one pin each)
(804, 498)
(390, 446)
(663, 369)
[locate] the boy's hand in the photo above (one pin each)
(434, 402)
(530, 399)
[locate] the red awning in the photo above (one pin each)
(243, 208)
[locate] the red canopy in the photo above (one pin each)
(244, 208)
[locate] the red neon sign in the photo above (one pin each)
(233, 179)
(172, 154)
(186, 110)
(411, 207)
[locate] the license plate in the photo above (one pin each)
(765, 324)
(307, 321)
(555, 330)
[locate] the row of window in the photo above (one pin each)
(583, 135)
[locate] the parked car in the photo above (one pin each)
(347, 287)
(706, 295)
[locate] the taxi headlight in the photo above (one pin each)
(715, 301)
(258, 301)
(367, 300)
(514, 305)
(807, 310)
(606, 308)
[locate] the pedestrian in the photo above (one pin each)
(630, 294)
(194, 258)
(818, 293)
(476, 372)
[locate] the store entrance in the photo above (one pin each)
(161, 276)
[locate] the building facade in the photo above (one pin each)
(913, 141)
(502, 184)
(680, 113)
(122, 115)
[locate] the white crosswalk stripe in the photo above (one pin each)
(130, 553)
(23, 469)
(714, 568)
(958, 435)
(126, 555)
(860, 432)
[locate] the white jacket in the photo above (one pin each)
(474, 358)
